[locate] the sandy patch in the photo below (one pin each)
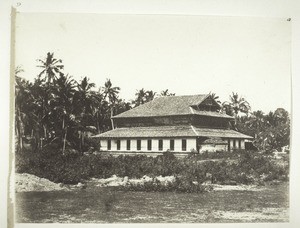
(278, 214)
(218, 187)
(123, 181)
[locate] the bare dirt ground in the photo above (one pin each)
(40, 200)
(25, 182)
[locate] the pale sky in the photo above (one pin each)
(185, 54)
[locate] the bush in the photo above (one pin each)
(71, 168)
(181, 184)
(215, 155)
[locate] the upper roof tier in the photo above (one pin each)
(172, 106)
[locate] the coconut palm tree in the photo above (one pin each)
(85, 105)
(166, 93)
(214, 97)
(254, 123)
(140, 97)
(83, 96)
(22, 100)
(143, 97)
(122, 106)
(44, 86)
(51, 68)
(38, 112)
(150, 95)
(62, 106)
(111, 95)
(99, 110)
(236, 105)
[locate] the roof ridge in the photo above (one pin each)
(186, 95)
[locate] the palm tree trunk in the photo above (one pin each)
(111, 119)
(37, 137)
(97, 123)
(45, 132)
(65, 135)
(98, 126)
(19, 130)
(82, 141)
(64, 142)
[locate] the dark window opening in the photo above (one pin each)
(183, 145)
(128, 144)
(149, 144)
(160, 144)
(229, 145)
(109, 144)
(138, 144)
(118, 144)
(240, 144)
(172, 144)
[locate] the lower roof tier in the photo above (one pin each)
(170, 132)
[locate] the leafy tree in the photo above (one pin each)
(122, 106)
(271, 119)
(270, 131)
(257, 120)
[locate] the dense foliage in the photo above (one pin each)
(245, 167)
(57, 110)
(271, 131)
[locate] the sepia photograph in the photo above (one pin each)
(127, 118)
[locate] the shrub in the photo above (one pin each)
(72, 167)
(181, 184)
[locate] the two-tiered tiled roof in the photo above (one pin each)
(171, 106)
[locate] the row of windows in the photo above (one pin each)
(236, 143)
(149, 144)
